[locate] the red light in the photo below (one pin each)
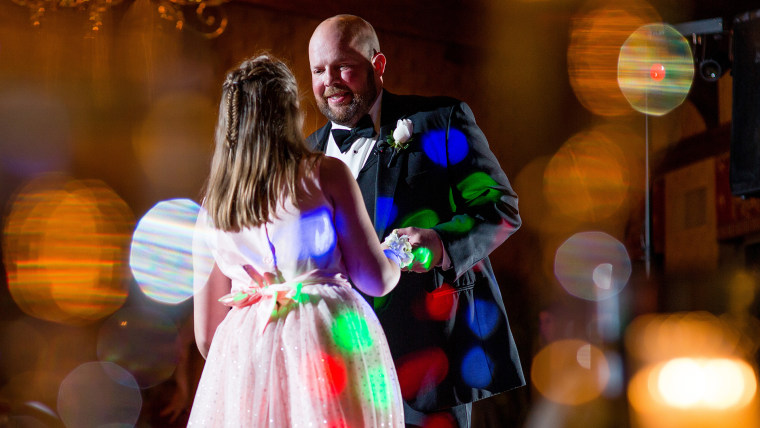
(657, 72)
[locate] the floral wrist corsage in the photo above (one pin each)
(399, 249)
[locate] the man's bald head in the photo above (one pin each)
(349, 30)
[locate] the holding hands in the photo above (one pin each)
(424, 244)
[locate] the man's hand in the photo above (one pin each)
(426, 247)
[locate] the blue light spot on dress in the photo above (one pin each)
(318, 233)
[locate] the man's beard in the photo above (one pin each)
(348, 115)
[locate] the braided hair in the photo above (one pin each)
(259, 145)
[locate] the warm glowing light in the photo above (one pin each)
(587, 179)
(655, 338)
(64, 250)
(595, 40)
(717, 383)
(570, 372)
(687, 373)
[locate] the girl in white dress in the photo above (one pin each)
(288, 342)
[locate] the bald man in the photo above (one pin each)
(445, 322)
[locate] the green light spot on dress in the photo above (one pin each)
(377, 388)
(350, 332)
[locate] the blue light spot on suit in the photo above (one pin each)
(476, 366)
(435, 147)
(484, 319)
(385, 212)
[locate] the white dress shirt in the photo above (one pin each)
(356, 156)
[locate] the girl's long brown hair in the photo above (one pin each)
(259, 145)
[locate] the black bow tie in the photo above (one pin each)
(344, 138)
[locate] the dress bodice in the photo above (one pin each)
(295, 241)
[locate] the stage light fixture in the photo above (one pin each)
(709, 41)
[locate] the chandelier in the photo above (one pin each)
(203, 16)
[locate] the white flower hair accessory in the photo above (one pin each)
(399, 249)
(402, 135)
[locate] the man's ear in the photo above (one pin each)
(378, 64)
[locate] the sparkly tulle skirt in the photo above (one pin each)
(320, 361)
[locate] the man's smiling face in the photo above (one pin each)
(342, 77)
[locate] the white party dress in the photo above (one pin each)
(300, 347)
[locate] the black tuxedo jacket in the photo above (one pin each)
(447, 330)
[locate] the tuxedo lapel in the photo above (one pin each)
(388, 169)
(318, 140)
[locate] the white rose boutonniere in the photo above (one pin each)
(402, 135)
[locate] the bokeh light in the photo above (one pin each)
(317, 234)
(588, 178)
(162, 251)
(334, 368)
(141, 340)
(596, 37)
(424, 218)
(442, 150)
(439, 420)
(690, 370)
(351, 332)
(439, 304)
(529, 184)
(173, 143)
(378, 388)
(570, 372)
(421, 371)
(717, 383)
(695, 392)
(423, 256)
(484, 319)
(656, 338)
(476, 365)
(97, 395)
(662, 46)
(385, 212)
(592, 265)
(65, 249)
